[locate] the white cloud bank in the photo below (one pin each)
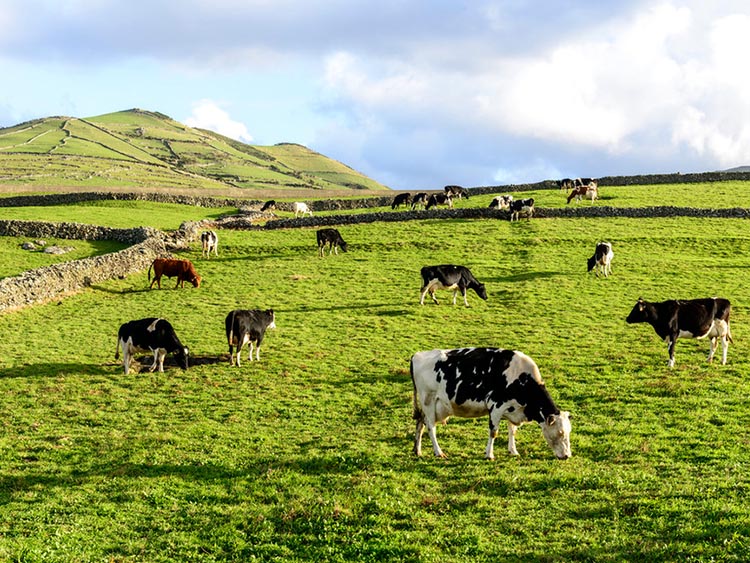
(208, 115)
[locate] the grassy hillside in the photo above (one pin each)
(137, 148)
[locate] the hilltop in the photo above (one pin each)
(143, 149)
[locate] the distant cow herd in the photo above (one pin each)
(465, 382)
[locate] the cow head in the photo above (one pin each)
(591, 263)
(640, 312)
(481, 291)
(272, 316)
(196, 281)
(181, 355)
(556, 430)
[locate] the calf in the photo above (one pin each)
(247, 326)
(301, 208)
(501, 202)
(439, 199)
(448, 276)
(473, 382)
(419, 199)
(457, 192)
(182, 269)
(693, 318)
(333, 239)
(588, 190)
(210, 242)
(270, 205)
(152, 334)
(602, 259)
(401, 199)
(521, 206)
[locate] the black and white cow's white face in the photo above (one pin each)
(556, 430)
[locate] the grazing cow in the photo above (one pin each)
(401, 199)
(473, 382)
(269, 205)
(590, 190)
(501, 202)
(183, 269)
(210, 242)
(152, 334)
(693, 318)
(521, 206)
(565, 184)
(439, 199)
(583, 182)
(456, 192)
(333, 239)
(301, 208)
(602, 259)
(419, 199)
(247, 326)
(448, 276)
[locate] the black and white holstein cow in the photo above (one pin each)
(154, 335)
(602, 259)
(401, 199)
(439, 199)
(419, 199)
(333, 239)
(473, 382)
(521, 207)
(456, 192)
(501, 202)
(565, 184)
(448, 276)
(692, 318)
(209, 243)
(247, 326)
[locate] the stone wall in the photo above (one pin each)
(74, 231)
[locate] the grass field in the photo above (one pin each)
(306, 455)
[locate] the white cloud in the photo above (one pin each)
(208, 115)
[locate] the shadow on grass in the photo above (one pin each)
(55, 370)
(119, 291)
(525, 276)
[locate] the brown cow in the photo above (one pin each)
(183, 269)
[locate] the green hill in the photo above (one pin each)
(143, 149)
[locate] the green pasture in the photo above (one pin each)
(306, 455)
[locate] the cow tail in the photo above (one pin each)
(117, 348)
(729, 332)
(231, 332)
(417, 412)
(149, 272)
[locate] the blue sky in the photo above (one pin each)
(416, 94)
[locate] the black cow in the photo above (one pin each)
(419, 199)
(456, 192)
(448, 276)
(401, 199)
(247, 326)
(152, 334)
(269, 205)
(518, 206)
(602, 259)
(693, 318)
(333, 239)
(439, 199)
(472, 382)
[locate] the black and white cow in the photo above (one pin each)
(456, 192)
(473, 382)
(583, 182)
(209, 242)
(439, 199)
(449, 276)
(419, 199)
(521, 206)
(602, 259)
(247, 326)
(152, 334)
(565, 184)
(333, 239)
(401, 199)
(692, 318)
(501, 202)
(269, 205)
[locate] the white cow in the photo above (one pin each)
(301, 208)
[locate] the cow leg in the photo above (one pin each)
(250, 351)
(712, 349)
(156, 360)
(463, 291)
(512, 438)
(162, 354)
(724, 348)
(126, 357)
(671, 340)
(335, 249)
(433, 438)
(418, 437)
(455, 294)
(489, 453)
(424, 291)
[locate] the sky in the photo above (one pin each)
(416, 94)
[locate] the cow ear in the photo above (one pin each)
(551, 419)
